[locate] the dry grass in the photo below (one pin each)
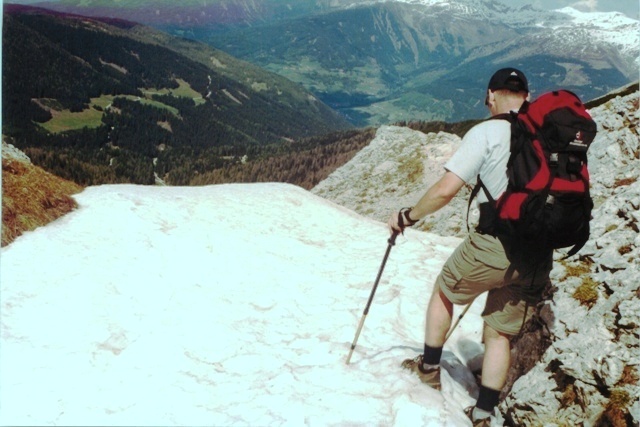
(31, 198)
(587, 292)
(413, 167)
(616, 413)
(576, 270)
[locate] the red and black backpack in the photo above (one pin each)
(547, 203)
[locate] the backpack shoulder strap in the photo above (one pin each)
(479, 185)
(511, 117)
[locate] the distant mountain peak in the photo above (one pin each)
(379, 62)
(607, 27)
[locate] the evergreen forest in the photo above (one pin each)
(102, 101)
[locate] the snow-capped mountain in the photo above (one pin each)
(610, 26)
(380, 62)
(607, 27)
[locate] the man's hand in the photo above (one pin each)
(393, 224)
(401, 220)
(437, 196)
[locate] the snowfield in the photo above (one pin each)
(222, 305)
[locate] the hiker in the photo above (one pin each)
(514, 279)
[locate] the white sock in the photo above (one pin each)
(427, 367)
(479, 414)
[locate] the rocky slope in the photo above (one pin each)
(589, 374)
(580, 365)
(393, 171)
(31, 197)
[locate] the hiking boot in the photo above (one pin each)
(430, 377)
(483, 422)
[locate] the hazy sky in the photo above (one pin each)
(628, 7)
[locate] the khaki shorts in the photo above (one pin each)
(479, 264)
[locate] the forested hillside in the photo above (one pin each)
(304, 163)
(102, 101)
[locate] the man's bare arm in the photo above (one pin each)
(436, 197)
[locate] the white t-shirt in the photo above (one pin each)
(485, 151)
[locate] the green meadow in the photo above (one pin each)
(64, 120)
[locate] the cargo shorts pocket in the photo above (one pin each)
(462, 279)
(452, 281)
(449, 276)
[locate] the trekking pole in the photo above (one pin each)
(392, 241)
(458, 321)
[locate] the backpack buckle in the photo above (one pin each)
(550, 201)
(553, 159)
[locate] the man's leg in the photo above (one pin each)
(439, 315)
(427, 365)
(495, 366)
(497, 358)
(461, 280)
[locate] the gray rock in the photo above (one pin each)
(9, 152)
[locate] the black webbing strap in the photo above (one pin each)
(479, 185)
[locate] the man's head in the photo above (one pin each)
(510, 86)
(510, 79)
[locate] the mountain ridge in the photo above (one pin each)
(141, 102)
(428, 64)
(411, 49)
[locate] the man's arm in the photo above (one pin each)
(437, 196)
